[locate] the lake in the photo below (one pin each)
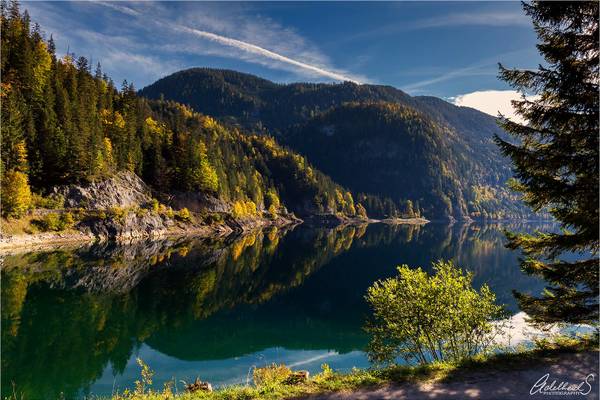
(74, 320)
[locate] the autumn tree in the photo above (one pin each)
(16, 194)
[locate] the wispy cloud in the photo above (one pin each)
(456, 73)
(487, 66)
(143, 41)
(476, 18)
(251, 48)
(481, 18)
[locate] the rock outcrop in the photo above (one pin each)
(198, 202)
(132, 225)
(124, 189)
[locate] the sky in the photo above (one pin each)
(445, 49)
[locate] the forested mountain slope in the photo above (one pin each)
(63, 124)
(422, 152)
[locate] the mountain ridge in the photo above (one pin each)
(288, 111)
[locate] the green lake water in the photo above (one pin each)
(74, 320)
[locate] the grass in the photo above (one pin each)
(19, 226)
(272, 381)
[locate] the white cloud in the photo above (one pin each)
(491, 102)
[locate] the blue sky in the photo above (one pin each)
(445, 49)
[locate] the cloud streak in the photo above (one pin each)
(238, 44)
(483, 67)
(481, 18)
(257, 50)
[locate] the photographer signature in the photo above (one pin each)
(562, 388)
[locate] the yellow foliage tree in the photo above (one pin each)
(243, 208)
(21, 156)
(41, 69)
(205, 176)
(16, 194)
(209, 123)
(360, 211)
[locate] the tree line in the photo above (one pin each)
(65, 121)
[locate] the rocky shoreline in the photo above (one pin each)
(124, 209)
(11, 244)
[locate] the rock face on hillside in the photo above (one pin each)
(198, 202)
(131, 226)
(124, 189)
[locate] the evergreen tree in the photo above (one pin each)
(556, 160)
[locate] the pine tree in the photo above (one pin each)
(555, 160)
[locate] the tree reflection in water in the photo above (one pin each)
(69, 314)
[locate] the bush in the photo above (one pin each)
(50, 222)
(214, 219)
(272, 211)
(66, 220)
(154, 205)
(118, 213)
(51, 202)
(16, 194)
(56, 222)
(426, 318)
(271, 375)
(184, 215)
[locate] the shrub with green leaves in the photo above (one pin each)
(56, 222)
(51, 202)
(424, 318)
(184, 215)
(274, 374)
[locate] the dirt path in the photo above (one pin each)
(495, 385)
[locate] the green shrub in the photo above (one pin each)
(50, 222)
(184, 215)
(118, 213)
(213, 219)
(427, 318)
(154, 205)
(56, 222)
(51, 202)
(271, 375)
(66, 221)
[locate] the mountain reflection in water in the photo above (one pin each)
(73, 320)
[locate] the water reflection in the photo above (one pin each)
(73, 319)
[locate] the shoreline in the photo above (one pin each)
(403, 221)
(15, 244)
(21, 243)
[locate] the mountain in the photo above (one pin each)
(64, 125)
(422, 152)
